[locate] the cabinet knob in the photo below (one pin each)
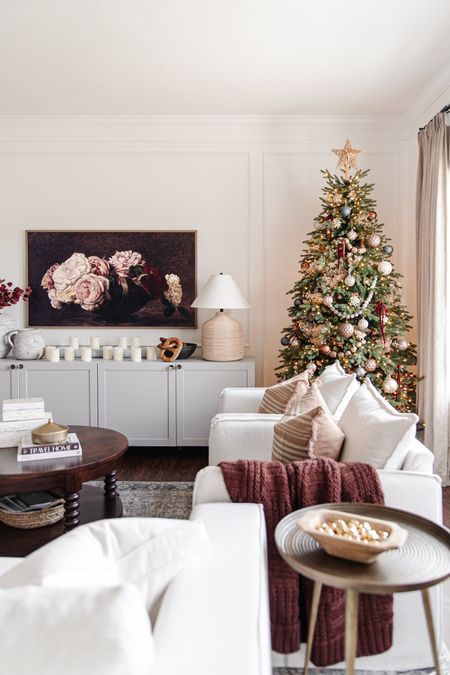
(170, 367)
(12, 366)
(20, 366)
(179, 366)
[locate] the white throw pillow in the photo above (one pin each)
(50, 631)
(375, 432)
(337, 388)
(146, 552)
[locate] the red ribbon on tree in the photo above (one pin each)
(382, 312)
(341, 252)
(397, 393)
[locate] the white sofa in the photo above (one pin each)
(214, 616)
(239, 432)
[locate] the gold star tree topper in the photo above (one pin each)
(347, 158)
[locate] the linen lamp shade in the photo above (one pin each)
(222, 336)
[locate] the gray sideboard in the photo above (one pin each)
(152, 402)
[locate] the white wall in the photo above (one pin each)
(250, 186)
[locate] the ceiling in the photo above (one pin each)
(127, 57)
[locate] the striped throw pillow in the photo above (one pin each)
(308, 430)
(276, 398)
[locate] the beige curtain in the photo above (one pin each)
(433, 277)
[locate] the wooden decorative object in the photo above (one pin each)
(222, 338)
(348, 549)
(170, 348)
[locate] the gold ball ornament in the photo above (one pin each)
(332, 354)
(346, 329)
(341, 355)
(373, 240)
(372, 215)
(352, 235)
(370, 365)
(325, 349)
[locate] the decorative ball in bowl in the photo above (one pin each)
(187, 350)
(350, 536)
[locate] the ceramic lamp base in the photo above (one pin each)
(222, 338)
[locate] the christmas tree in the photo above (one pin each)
(347, 303)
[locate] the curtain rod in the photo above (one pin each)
(445, 109)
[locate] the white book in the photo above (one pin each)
(46, 455)
(25, 414)
(24, 425)
(29, 451)
(23, 404)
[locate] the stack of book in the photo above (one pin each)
(33, 501)
(28, 451)
(19, 417)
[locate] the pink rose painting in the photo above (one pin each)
(112, 278)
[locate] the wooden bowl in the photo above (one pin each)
(349, 549)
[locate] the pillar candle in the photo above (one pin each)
(136, 354)
(94, 342)
(74, 342)
(52, 354)
(118, 353)
(69, 353)
(107, 352)
(123, 342)
(86, 353)
(152, 353)
(136, 341)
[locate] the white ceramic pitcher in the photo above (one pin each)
(26, 344)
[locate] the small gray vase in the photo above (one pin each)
(7, 324)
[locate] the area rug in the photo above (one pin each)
(174, 500)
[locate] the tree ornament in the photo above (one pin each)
(390, 385)
(305, 265)
(332, 354)
(372, 215)
(363, 324)
(388, 249)
(370, 365)
(347, 158)
(402, 344)
(341, 251)
(327, 300)
(341, 355)
(384, 267)
(325, 349)
(311, 366)
(382, 312)
(360, 372)
(353, 349)
(373, 240)
(285, 341)
(352, 235)
(297, 302)
(346, 329)
(362, 250)
(345, 211)
(349, 280)
(336, 199)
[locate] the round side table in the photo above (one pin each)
(423, 561)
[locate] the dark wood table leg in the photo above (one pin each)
(71, 510)
(111, 485)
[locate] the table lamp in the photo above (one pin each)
(222, 336)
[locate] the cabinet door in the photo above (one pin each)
(68, 389)
(199, 384)
(9, 379)
(138, 399)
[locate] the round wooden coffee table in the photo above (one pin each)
(423, 561)
(102, 449)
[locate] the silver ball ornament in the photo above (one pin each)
(388, 249)
(363, 324)
(360, 371)
(402, 344)
(352, 235)
(345, 211)
(311, 366)
(390, 385)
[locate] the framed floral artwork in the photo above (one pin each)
(111, 278)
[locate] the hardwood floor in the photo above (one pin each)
(182, 464)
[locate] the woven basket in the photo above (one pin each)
(32, 519)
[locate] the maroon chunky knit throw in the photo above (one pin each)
(283, 489)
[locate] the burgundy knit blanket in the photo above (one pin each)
(282, 489)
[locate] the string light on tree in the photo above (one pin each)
(347, 303)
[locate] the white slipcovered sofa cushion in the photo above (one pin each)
(49, 631)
